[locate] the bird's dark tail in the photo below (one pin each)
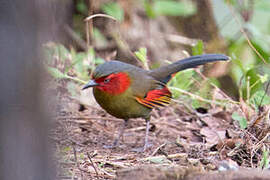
(164, 73)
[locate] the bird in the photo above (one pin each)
(126, 91)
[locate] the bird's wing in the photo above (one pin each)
(148, 91)
(156, 98)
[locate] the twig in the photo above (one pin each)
(77, 163)
(135, 129)
(178, 155)
(75, 79)
(105, 172)
(99, 15)
(158, 148)
(262, 140)
(87, 118)
(90, 159)
(200, 98)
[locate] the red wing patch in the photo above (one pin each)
(156, 98)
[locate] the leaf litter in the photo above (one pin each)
(207, 141)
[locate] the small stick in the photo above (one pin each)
(178, 155)
(90, 159)
(99, 15)
(77, 163)
(156, 150)
(76, 160)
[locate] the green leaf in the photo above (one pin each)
(264, 78)
(66, 149)
(99, 61)
(196, 104)
(149, 9)
(183, 79)
(263, 5)
(141, 54)
(260, 96)
(56, 73)
(198, 48)
(113, 9)
(232, 2)
(254, 80)
(81, 7)
(174, 8)
(100, 40)
(61, 51)
(158, 160)
(242, 121)
(264, 164)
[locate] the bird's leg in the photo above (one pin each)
(119, 136)
(146, 143)
(121, 132)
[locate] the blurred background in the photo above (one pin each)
(50, 48)
(168, 30)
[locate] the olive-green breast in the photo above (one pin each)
(122, 106)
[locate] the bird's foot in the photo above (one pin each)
(109, 146)
(114, 145)
(141, 149)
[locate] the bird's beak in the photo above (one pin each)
(91, 83)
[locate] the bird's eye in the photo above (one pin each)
(106, 80)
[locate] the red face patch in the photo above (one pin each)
(114, 83)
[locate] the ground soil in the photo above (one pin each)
(183, 142)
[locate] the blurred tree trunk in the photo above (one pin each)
(24, 150)
(201, 25)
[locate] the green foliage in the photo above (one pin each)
(232, 2)
(69, 64)
(254, 82)
(149, 10)
(264, 163)
(182, 80)
(260, 98)
(198, 48)
(169, 8)
(263, 5)
(158, 160)
(100, 39)
(247, 69)
(113, 9)
(242, 121)
(56, 73)
(78, 25)
(189, 85)
(81, 7)
(142, 56)
(53, 51)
